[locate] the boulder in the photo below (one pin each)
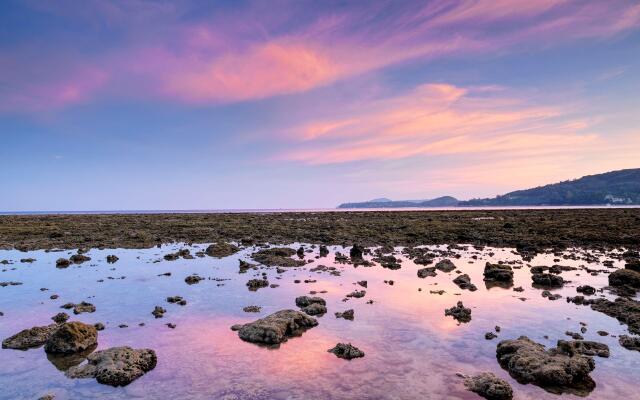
(117, 366)
(547, 280)
(347, 314)
(625, 277)
(459, 312)
(315, 309)
(425, 272)
(277, 257)
(304, 301)
(346, 351)
(464, 282)
(498, 273)
(583, 347)
(72, 337)
(489, 386)
(222, 249)
(277, 327)
(445, 265)
(27, 338)
(62, 263)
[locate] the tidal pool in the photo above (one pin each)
(412, 349)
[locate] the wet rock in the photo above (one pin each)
(489, 386)
(255, 284)
(47, 397)
(193, 279)
(99, 326)
(79, 258)
(27, 260)
(389, 262)
(445, 265)
(459, 312)
(158, 312)
(177, 300)
(625, 277)
(111, 259)
(498, 273)
(426, 272)
(305, 301)
(357, 294)
(324, 251)
(117, 366)
(11, 283)
(27, 338)
(490, 335)
(586, 289)
(551, 296)
(583, 347)
(362, 283)
(356, 252)
(623, 309)
(62, 263)
(222, 249)
(171, 325)
(346, 351)
(547, 280)
(60, 318)
(245, 266)
(315, 309)
(79, 308)
(464, 282)
(72, 337)
(276, 328)
(347, 314)
(277, 257)
(574, 335)
(251, 309)
(553, 370)
(629, 342)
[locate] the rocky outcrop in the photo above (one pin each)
(464, 282)
(625, 310)
(552, 369)
(459, 312)
(445, 265)
(625, 277)
(489, 386)
(221, 249)
(27, 338)
(277, 257)
(426, 272)
(315, 309)
(117, 366)
(547, 280)
(346, 351)
(498, 273)
(82, 307)
(583, 347)
(72, 337)
(277, 327)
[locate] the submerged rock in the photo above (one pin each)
(346, 351)
(222, 249)
(552, 369)
(583, 347)
(489, 386)
(255, 284)
(347, 314)
(82, 307)
(315, 309)
(459, 312)
(276, 328)
(389, 262)
(498, 273)
(445, 265)
(464, 282)
(117, 366)
(27, 338)
(72, 337)
(277, 257)
(547, 280)
(586, 289)
(624, 310)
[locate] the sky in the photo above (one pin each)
(150, 105)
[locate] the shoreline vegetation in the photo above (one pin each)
(537, 228)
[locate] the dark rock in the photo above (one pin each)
(252, 309)
(32, 337)
(117, 366)
(629, 342)
(464, 282)
(60, 318)
(158, 312)
(304, 301)
(245, 266)
(583, 347)
(78, 258)
(255, 284)
(346, 351)
(277, 257)
(324, 251)
(425, 272)
(277, 327)
(222, 249)
(490, 335)
(357, 294)
(177, 300)
(193, 279)
(72, 337)
(547, 280)
(498, 273)
(112, 259)
(553, 370)
(624, 310)
(99, 326)
(389, 262)
(586, 289)
(625, 277)
(362, 283)
(356, 252)
(459, 312)
(315, 309)
(62, 263)
(489, 386)
(445, 265)
(347, 314)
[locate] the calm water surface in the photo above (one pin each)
(412, 349)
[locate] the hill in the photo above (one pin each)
(445, 201)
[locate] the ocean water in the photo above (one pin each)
(412, 349)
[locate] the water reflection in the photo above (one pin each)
(412, 349)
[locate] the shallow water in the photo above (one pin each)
(412, 349)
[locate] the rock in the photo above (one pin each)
(550, 296)
(47, 397)
(459, 312)
(99, 326)
(27, 338)
(60, 318)
(489, 386)
(277, 327)
(498, 273)
(357, 294)
(112, 259)
(356, 252)
(633, 265)
(574, 335)
(304, 301)
(158, 312)
(346, 351)
(171, 325)
(445, 265)
(490, 335)
(425, 272)
(625, 277)
(277, 257)
(79, 308)
(464, 282)
(629, 342)
(324, 251)
(117, 366)
(624, 310)
(253, 309)
(11, 283)
(583, 347)
(347, 314)
(553, 370)
(62, 263)
(255, 284)
(315, 309)
(389, 262)
(362, 283)
(547, 280)
(193, 279)
(72, 337)
(177, 300)
(79, 258)
(586, 289)
(245, 266)
(222, 249)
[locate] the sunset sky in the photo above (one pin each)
(109, 105)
